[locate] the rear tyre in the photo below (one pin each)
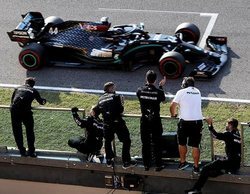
(171, 64)
(32, 56)
(190, 32)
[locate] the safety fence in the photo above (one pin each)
(54, 126)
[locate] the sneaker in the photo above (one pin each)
(182, 165)
(159, 168)
(193, 191)
(90, 157)
(110, 163)
(196, 170)
(130, 164)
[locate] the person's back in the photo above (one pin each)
(150, 98)
(189, 100)
(110, 106)
(151, 129)
(190, 124)
(24, 95)
(21, 101)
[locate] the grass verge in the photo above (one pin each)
(53, 128)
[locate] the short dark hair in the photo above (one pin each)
(30, 81)
(107, 85)
(233, 122)
(187, 81)
(151, 76)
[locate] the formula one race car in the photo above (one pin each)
(97, 44)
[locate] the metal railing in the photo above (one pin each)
(164, 118)
(243, 144)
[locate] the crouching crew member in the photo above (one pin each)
(150, 98)
(233, 152)
(20, 109)
(90, 144)
(110, 105)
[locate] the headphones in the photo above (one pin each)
(187, 81)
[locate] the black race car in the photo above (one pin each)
(52, 41)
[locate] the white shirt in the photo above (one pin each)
(189, 100)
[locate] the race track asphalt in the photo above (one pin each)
(224, 18)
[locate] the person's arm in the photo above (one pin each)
(80, 122)
(173, 108)
(220, 136)
(13, 95)
(162, 94)
(119, 103)
(38, 98)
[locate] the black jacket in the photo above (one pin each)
(150, 98)
(23, 96)
(111, 107)
(232, 143)
(94, 126)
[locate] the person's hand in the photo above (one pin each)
(174, 116)
(44, 101)
(209, 121)
(163, 81)
(74, 110)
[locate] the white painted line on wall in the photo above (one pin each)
(62, 89)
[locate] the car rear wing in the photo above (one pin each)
(217, 58)
(28, 28)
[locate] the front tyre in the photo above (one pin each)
(32, 56)
(190, 32)
(171, 64)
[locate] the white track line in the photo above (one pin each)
(61, 89)
(146, 10)
(208, 30)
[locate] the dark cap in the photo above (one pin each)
(107, 85)
(30, 81)
(233, 122)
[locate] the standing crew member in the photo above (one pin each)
(190, 121)
(233, 152)
(150, 98)
(92, 143)
(21, 100)
(110, 105)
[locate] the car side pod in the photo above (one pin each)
(217, 58)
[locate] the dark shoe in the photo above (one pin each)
(183, 165)
(159, 168)
(146, 168)
(110, 163)
(196, 170)
(130, 164)
(32, 154)
(192, 191)
(98, 154)
(23, 153)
